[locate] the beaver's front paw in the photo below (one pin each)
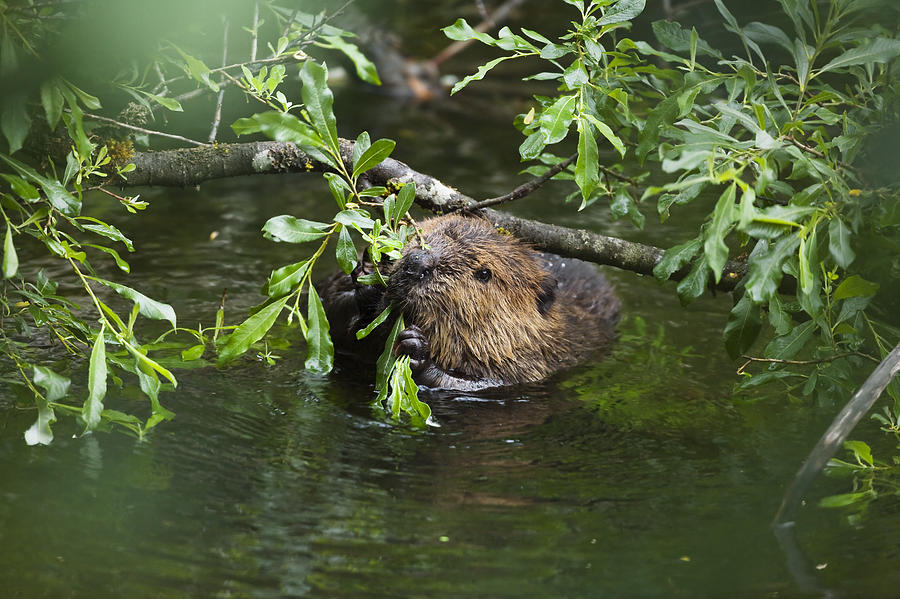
(412, 342)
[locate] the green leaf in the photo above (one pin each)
(354, 218)
(802, 53)
(663, 114)
(40, 432)
(193, 353)
(800, 13)
(861, 452)
(778, 317)
(575, 76)
(746, 211)
(881, 49)
(694, 284)
(22, 188)
(286, 127)
(763, 33)
(839, 243)
(671, 34)
(289, 229)
(365, 68)
(123, 266)
(587, 173)
(722, 218)
(743, 327)
(59, 198)
(167, 103)
(52, 101)
(764, 273)
(387, 358)
(855, 286)
(250, 331)
(847, 499)
(55, 386)
(623, 10)
(345, 251)
(10, 259)
(405, 198)
(373, 156)
(461, 31)
(787, 346)
(319, 348)
(318, 100)
(283, 280)
(404, 394)
(108, 231)
(606, 132)
(532, 146)
(623, 204)
(8, 60)
(150, 385)
(808, 257)
(87, 99)
(479, 73)
(15, 121)
(148, 307)
(556, 118)
(93, 406)
(196, 69)
(360, 334)
(675, 258)
(148, 367)
(362, 143)
(339, 188)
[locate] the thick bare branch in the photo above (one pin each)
(188, 167)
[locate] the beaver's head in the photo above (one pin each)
(472, 289)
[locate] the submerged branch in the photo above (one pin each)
(836, 434)
(192, 166)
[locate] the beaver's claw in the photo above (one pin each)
(412, 342)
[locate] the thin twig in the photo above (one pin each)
(817, 153)
(526, 188)
(255, 32)
(162, 89)
(805, 362)
(109, 193)
(142, 130)
(290, 21)
(221, 97)
(611, 173)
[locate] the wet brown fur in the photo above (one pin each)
(535, 314)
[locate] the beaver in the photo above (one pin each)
(482, 308)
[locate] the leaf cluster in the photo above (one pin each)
(60, 151)
(771, 141)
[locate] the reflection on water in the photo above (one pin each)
(264, 487)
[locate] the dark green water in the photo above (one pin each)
(637, 476)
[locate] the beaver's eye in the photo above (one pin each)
(483, 274)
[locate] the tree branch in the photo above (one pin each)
(834, 437)
(192, 166)
(526, 188)
(221, 96)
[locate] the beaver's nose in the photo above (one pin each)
(417, 265)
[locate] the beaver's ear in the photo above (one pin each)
(546, 295)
